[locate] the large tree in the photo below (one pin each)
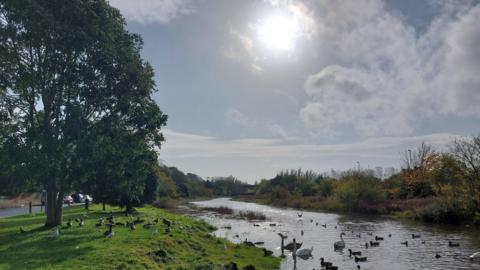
(69, 71)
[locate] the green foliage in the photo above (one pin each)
(72, 78)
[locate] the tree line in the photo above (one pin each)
(435, 186)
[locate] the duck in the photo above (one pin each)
(305, 253)
(404, 243)
(332, 267)
(301, 232)
(451, 244)
(415, 236)
(437, 256)
(474, 256)
(354, 253)
(389, 235)
(248, 243)
(339, 244)
(366, 244)
(259, 243)
(316, 223)
(374, 244)
(360, 259)
(299, 214)
(324, 225)
(325, 264)
(359, 236)
(378, 238)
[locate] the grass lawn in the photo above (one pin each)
(189, 245)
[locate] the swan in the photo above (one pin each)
(339, 244)
(475, 255)
(306, 252)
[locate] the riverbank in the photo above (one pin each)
(420, 209)
(189, 245)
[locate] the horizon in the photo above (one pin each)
(255, 87)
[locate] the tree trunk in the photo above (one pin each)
(54, 208)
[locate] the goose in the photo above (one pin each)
(259, 243)
(267, 252)
(305, 253)
(331, 267)
(109, 233)
(374, 244)
(355, 253)
(366, 244)
(415, 236)
(256, 225)
(335, 227)
(324, 225)
(339, 244)
(359, 236)
(360, 259)
(248, 243)
(404, 243)
(299, 214)
(423, 242)
(167, 222)
(369, 233)
(69, 223)
(22, 230)
(437, 256)
(475, 255)
(378, 238)
(316, 223)
(131, 225)
(311, 220)
(323, 263)
(272, 224)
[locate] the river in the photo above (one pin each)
(391, 254)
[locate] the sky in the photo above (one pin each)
(253, 87)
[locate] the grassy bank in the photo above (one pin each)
(189, 245)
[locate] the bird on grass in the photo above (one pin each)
(131, 225)
(109, 233)
(56, 232)
(69, 223)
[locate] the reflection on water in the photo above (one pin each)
(321, 230)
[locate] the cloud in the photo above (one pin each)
(254, 157)
(382, 77)
(239, 118)
(152, 11)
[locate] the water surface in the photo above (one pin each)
(391, 254)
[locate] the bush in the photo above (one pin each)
(444, 212)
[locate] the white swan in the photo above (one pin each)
(339, 244)
(306, 252)
(475, 255)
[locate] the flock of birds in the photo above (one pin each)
(375, 241)
(110, 222)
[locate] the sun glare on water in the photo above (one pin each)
(278, 32)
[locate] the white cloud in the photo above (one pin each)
(152, 11)
(383, 78)
(239, 118)
(210, 156)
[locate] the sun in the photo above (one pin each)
(278, 32)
